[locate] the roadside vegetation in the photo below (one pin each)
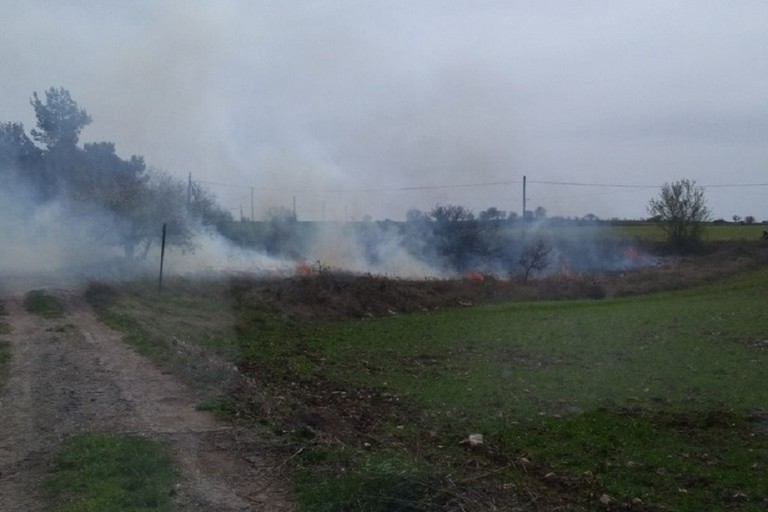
(40, 303)
(467, 395)
(102, 472)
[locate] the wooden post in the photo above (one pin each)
(162, 260)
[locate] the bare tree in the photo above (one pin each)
(534, 258)
(681, 211)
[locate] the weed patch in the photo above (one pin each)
(40, 303)
(104, 473)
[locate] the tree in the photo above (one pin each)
(16, 149)
(534, 257)
(749, 220)
(414, 215)
(162, 199)
(492, 213)
(681, 210)
(450, 213)
(59, 119)
(456, 235)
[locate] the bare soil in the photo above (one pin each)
(71, 374)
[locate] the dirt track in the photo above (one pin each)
(72, 374)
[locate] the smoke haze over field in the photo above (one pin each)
(372, 108)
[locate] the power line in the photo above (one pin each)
(474, 185)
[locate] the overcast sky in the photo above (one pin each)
(360, 107)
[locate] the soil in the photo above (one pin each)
(71, 374)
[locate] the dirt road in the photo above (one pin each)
(72, 374)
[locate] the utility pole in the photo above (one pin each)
(525, 217)
(524, 205)
(294, 209)
(189, 191)
(251, 204)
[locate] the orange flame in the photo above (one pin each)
(475, 276)
(304, 270)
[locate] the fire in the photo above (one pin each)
(565, 267)
(475, 276)
(304, 270)
(633, 254)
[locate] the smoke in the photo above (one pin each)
(61, 241)
(51, 241)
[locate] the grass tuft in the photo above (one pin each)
(104, 473)
(40, 303)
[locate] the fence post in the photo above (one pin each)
(162, 259)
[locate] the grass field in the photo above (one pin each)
(712, 232)
(651, 402)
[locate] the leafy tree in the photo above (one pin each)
(540, 213)
(16, 149)
(749, 220)
(59, 120)
(94, 180)
(162, 200)
(455, 234)
(203, 207)
(681, 210)
(492, 213)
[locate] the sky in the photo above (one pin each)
(352, 108)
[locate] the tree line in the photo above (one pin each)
(133, 200)
(49, 164)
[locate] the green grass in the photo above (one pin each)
(188, 330)
(712, 233)
(105, 473)
(575, 386)
(653, 401)
(40, 303)
(529, 358)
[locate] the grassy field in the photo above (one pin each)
(712, 233)
(109, 472)
(651, 402)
